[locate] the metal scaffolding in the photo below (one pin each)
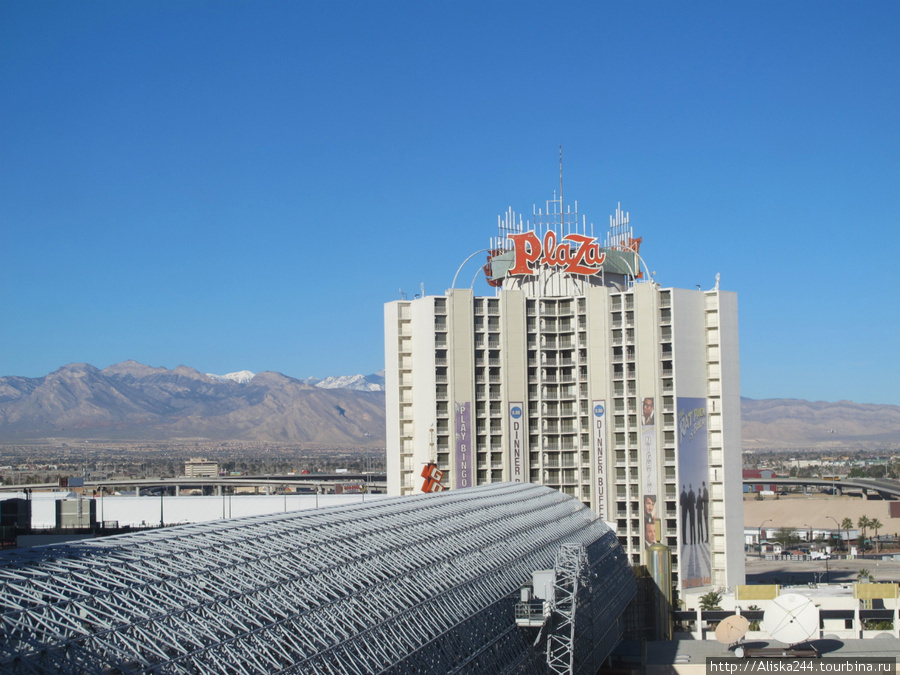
(423, 584)
(591, 590)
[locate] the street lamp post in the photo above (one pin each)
(759, 535)
(839, 529)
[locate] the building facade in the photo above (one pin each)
(200, 467)
(583, 374)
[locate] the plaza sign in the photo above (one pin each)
(574, 254)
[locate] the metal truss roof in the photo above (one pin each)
(421, 584)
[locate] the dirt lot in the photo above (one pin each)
(817, 511)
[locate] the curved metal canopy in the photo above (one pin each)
(424, 583)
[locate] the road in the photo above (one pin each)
(886, 487)
(794, 572)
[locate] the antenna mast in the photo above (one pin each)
(561, 201)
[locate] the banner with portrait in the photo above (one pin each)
(649, 472)
(694, 558)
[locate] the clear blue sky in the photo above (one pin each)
(243, 185)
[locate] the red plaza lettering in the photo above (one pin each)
(575, 254)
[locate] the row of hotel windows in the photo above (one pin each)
(550, 353)
(551, 306)
(569, 481)
(627, 465)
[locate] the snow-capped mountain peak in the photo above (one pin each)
(358, 382)
(241, 376)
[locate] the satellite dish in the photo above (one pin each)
(791, 618)
(732, 629)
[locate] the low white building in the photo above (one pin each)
(200, 467)
(854, 597)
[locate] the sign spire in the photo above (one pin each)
(561, 202)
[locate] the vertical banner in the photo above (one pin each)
(649, 471)
(599, 408)
(516, 442)
(464, 445)
(693, 502)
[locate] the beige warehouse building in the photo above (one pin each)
(581, 373)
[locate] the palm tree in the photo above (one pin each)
(847, 525)
(875, 524)
(862, 523)
(710, 601)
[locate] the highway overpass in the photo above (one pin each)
(883, 487)
(309, 482)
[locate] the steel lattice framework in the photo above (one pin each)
(422, 584)
(590, 593)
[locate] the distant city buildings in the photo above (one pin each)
(199, 467)
(584, 374)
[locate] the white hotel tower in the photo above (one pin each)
(584, 374)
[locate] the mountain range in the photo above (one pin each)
(357, 382)
(795, 423)
(131, 401)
